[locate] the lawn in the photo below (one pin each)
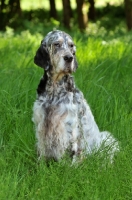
(104, 76)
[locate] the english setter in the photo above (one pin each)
(62, 117)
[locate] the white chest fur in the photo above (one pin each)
(56, 125)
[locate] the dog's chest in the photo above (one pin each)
(57, 96)
(60, 92)
(60, 117)
(59, 106)
(61, 100)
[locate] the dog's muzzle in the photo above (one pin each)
(68, 58)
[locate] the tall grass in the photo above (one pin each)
(104, 76)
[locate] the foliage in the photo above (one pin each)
(109, 19)
(110, 23)
(104, 76)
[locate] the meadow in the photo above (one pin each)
(105, 77)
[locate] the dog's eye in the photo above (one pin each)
(57, 44)
(71, 45)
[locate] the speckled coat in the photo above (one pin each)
(62, 117)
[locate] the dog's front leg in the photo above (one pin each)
(88, 129)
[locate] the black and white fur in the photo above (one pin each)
(62, 117)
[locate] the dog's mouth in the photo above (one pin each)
(62, 66)
(59, 75)
(68, 69)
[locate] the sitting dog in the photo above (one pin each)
(62, 117)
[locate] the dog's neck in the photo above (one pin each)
(47, 82)
(60, 80)
(56, 77)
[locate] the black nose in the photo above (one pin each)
(68, 58)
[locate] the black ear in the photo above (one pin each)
(42, 57)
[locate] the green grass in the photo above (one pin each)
(104, 76)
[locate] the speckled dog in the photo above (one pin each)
(62, 117)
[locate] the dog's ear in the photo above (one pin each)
(42, 57)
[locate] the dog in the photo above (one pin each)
(63, 119)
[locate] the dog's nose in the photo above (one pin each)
(68, 58)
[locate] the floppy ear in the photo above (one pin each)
(42, 57)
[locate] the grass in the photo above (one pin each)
(104, 76)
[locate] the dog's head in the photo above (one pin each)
(57, 53)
